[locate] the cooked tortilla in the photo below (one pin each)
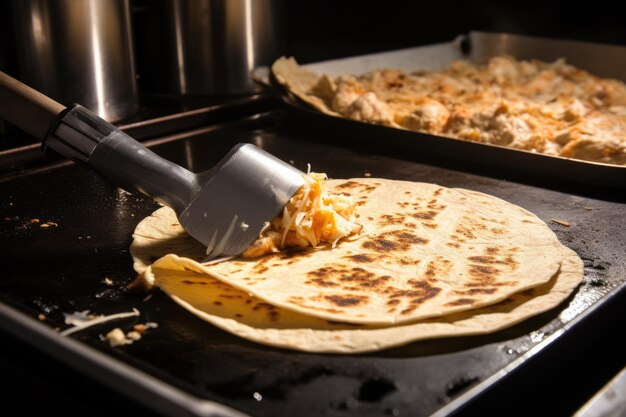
(250, 318)
(425, 251)
(552, 108)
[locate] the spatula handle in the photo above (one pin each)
(27, 108)
(85, 137)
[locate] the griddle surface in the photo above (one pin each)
(62, 269)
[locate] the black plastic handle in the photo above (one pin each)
(84, 137)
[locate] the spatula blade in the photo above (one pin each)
(246, 189)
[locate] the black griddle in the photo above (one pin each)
(186, 361)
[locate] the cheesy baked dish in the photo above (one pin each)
(551, 108)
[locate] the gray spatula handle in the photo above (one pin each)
(84, 137)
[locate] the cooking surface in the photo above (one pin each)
(62, 268)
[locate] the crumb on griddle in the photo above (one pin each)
(48, 224)
(561, 222)
(134, 336)
(116, 337)
(108, 281)
(41, 317)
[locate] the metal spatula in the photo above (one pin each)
(225, 208)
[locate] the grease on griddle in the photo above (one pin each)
(374, 390)
(459, 384)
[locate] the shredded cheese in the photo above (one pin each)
(312, 217)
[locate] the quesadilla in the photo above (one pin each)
(248, 317)
(424, 251)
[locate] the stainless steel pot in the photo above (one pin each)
(208, 47)
(78, 51)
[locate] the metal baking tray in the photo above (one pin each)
(188, 367)
(477, 47)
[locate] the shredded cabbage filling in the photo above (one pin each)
(312, 217)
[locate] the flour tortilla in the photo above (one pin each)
(426, 251)
(248, 317)
(300, 82)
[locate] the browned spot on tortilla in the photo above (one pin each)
(486, 259)
(364, 279)
(346, 300)
(410, 225)
(390, 219)
(322, 282)
(465, 231)
(438, 191)
(457, 238)
(474, 291)
(273, 315)
(434, 206)
(238, 315)
(261, 269)
(394, 241)
(361, 258)
(492, 250)
(439, 266)
(217, 303)
(348, 278)
(431, 225)
(393, 302)
(483, 271)
(407, 192)
(485, 276)
(345, 193)
(235, 271)
(185, 281)
(425, 215)
(460, 302)
(453, 245)
(349, 184)
(409, 261)
(370, 218)
(421, 292)
(498, 230)
(527, 221)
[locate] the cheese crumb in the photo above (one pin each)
(116, 337)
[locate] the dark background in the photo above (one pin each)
(326, 29)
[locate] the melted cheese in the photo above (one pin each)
(553, 108)
(312, 217)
